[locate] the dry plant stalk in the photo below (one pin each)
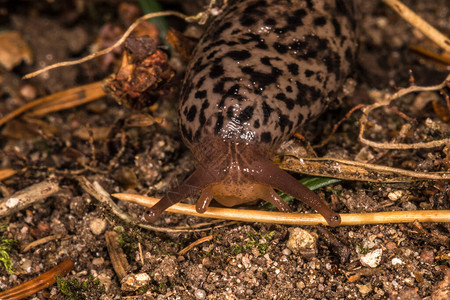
(386, 101)
(354, 170)
(419, 23)
(39, 283)
(28, 196)
(41, 241)
(294, 218)
(118, 258)
(197, 242)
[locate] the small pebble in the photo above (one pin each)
(26, 265)
(371, 259)
(302, 242)
(133, 282)
(28, 92)
(396, 261)
(391, 245)
(98, 261)
(246, 262)
(409, 281)
(105, 280)
(12, 202)
(200, 294)
(427, 256)
(207, 262)
(300, 285)
(286, 252)
(394, 196)
(364, 289)
(409, 206)
(97, 226)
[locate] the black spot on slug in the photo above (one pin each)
(266, 137)
(270, 22)
(320, 21)
(337, 27)
(216, 71)
(267, 110)
(202, 117)
(219, 123)
(200, 94)
(282, 49)
(191, 113)
(309, 73)
(239, 54)
(293, 68)
(289, 102)
(246, 114)
(223, 28)
(265, 60)
(247, 20)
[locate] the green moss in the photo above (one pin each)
(260, 241)
(74, 289)
(128, 241)
(362, 250)
(255, 240)
(236, 249)
(5, 248)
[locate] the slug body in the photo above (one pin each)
(261, 70)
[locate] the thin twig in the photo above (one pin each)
(41, 241)
(294, 218)
(116, 44)
(412, 18)
(336, 126)
(99, 193)
(197, 242)
(26, 197)
(386, 101)
(354, 170)
(141, 255)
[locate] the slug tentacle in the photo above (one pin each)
(272, 197)
(191, 186)
(204, 200)
(272, 175)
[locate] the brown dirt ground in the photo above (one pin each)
(243, 260)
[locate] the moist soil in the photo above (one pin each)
(240, 260)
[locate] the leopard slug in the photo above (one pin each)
(262, 69)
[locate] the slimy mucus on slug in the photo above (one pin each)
(262, 69)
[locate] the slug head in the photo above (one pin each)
(234, 173)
